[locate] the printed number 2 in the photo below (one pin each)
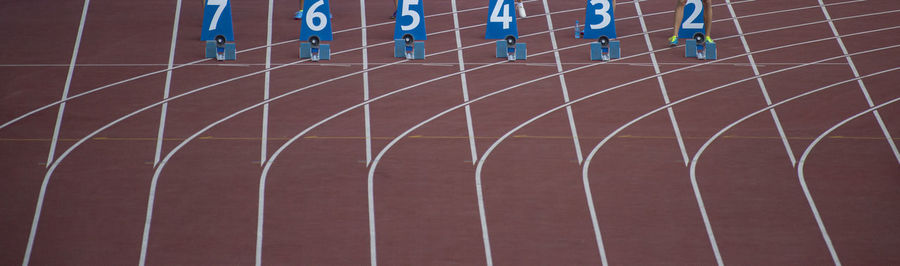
(689, 23)
(495, 14)
(215, 18)
(603, 12)
(313, 14)
(407, 12)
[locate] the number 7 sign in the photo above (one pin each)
(217, 20)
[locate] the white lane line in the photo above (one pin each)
(562, 83)
(366, 111)
(62, 107)
(770, 107)
(762, 85)
(263, 154)
(162, 122)
(662, 85)
(165, 106)
(802, 177)
(465, 86)
(862, 85)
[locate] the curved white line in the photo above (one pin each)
(802, 177)
(735, 123)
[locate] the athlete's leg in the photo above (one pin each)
(679, 14)
(520, 8)
(707, 18)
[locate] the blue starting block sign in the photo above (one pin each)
(599, 20)
(410, 20)
(605, 49)
(510, 49)
(700, 49)
(217, 20)
(407, 47)
(692, 21)
(316, 20)
(501, 20)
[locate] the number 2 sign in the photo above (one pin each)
(217, 20)
(692, 22)
(501, 20)
(316, 20)
(411, 20)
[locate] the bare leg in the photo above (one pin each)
(679, 15)
(707, 16)
(614, 6)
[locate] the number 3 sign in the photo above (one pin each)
(599, 20)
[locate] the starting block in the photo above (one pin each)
(314, 50)
(604, 49)
(408, 48)
(220, 49)
(511, 50)
(701, 49)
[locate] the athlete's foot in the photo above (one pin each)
(673, 41)
(709, 40)
(298, 15)
(394, 16)
(520, 7)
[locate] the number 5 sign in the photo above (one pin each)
(501, 20)
(316, 20)
(692, 22)
(217, 20)
(599, 20)
(411, 20)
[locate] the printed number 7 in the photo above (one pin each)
(406, 12)
(495, 14)
(603, 12)
(215, 18)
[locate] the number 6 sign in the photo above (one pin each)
(316, 20)
(217, 20)
(411, 20)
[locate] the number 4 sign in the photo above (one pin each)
(217, 20)
(411, 20)
(692, 22)
(501, 20)
(599, 20)
(316, 20)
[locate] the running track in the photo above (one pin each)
(120, 145)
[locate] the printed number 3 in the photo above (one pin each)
(406, 12)
(215, 18)
(603, 12)
(690, 22)
(313, 14)
(495, 14)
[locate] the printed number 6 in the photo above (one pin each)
(603, 12)
(313, 14)
(407, 12)
(689, 23)
(215, 18)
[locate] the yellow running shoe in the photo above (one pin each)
(673, 41)
(709, 40)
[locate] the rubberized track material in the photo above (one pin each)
(121, 146)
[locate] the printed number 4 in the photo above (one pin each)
(215, 18)
(313, 14)
(407, 12)
(603, 12)
(495, 14)
(690, 22)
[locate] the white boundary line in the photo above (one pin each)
(662, 85)
(366, 110)
(770, 107)
(762, 86)
(263, 153)
(62, 107)
(562, 83)
(165, 106)
(465, 86)
(862, 85)
(802, 177)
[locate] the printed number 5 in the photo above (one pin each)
(603, 12)
(689, 23)
(215, 18)
(495, 14)
(313, 14)
(406, 12)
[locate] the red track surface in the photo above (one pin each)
(92, 198)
